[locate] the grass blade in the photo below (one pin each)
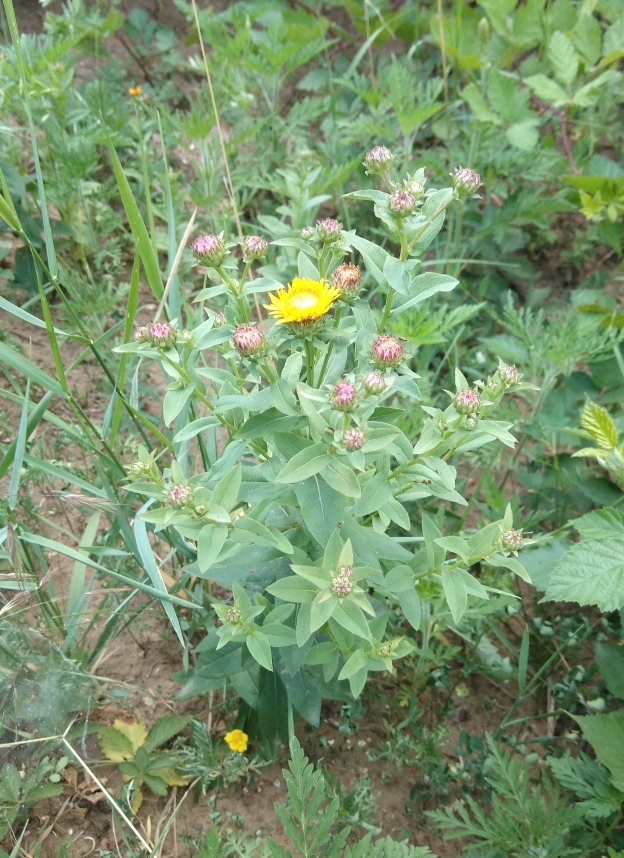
(149, 564)
(77, 590)
(137, 225)
(36, 415)
(523, 661)
(20, 449)
(12, 358)
(131, 310)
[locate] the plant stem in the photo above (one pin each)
(330, 348)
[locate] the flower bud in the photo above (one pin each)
(342, 585)
(387, 352)
(347, 278)
(466, 181)
(512, 540)
(467, 401)
(415, 188)
(401, 203)
(353, 439)
(374, 382)
(249, 341)
(141, 335)
(219, 319)
(209, 250)
(161, 335)
(471, 422)
(254, 247)
(344, 396)
(347, 571)
(378, 160)
(180, 495)
(233, 615)
(385, 649)
(138, 469)
(483, 33)
(509, 375)
(329, 229)
(200, 510)
(307, 233)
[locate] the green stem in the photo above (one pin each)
(387, 310)
(428, 223)
(330, 347)
(309, 363)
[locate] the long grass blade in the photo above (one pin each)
(36, 415)
(131, 311)
(150, 566)
(77, 590)
(20, 449)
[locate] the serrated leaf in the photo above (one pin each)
(601, 524)
(164, 729)
(563, 58)
(606, 734)
(121, 741)
(548, 90)
(597, 421)
(590, 573)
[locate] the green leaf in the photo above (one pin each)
(260, 648)
(472, 95)
(548, 90)
(259, 534)
(410, 605)
(524, 135)
(149, 564)
(194, 428)
(137, 225)
(304, 464)
(563, 58)
(610, 661)
(164, 729)
(357, 661)
(590, 573)
(20, 448)
(352, 618)
(424, 286)
(606, 735)
(226, 491)
(19, 363)
(375, 493)
(374, 257)
(209, 544)
(601, 524)
(455, 592)
(293, 589)
(590, 93)
(321, 506)
(597, 421)
(341, 478)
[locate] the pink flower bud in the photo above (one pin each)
(467, 401)
(249, 341)
(180, 495)
(378, 160)
(401, 203)
(344, 396)
(347, 278)
(254, 247)
(329, 230)
(509, 375)
(208, 250)
(353, 439)
(387, 352)
(374, 382)
(512, 540)
(161, 335)
(466, 181)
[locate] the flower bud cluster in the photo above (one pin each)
(254, 247)
(329, 230)
(512, 540)
(509, 375)
(233, 615)
(401, 203)
(161, 335)
(342, 583)
(344, 396)
(353, 439)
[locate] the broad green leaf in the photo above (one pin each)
(209, 544)
(590, 573)
(163, 730)
(375, 493)
(350, 617)
(195, 427)
(260, 648)
(304, 464)
(341, 478)
(226, 491)
(247, 529)
(455, 591)
(480, 109)
(322, 507)
(293, 589)
(374, 257)
(597, 421)
(548, 90)
(410, 605)
(563, 58)
(601, 524)
(606, 734)
(356, 662)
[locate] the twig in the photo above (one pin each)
(565, 139)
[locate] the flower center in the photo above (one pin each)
(304, 301)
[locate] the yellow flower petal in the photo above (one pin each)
(237, 741)
(303, 301)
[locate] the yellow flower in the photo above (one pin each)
(304, 301)
(134, 91)
(237, 740)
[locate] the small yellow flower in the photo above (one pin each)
(134, 91)
(237, 740)
(304, 301)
